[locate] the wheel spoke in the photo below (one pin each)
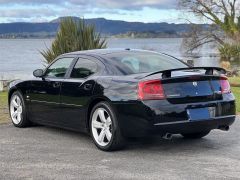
(101, 115)
(14, 115)
(108, 134)
(14, 104)
(19, 117)
(101, 136)
(97, 125)
(108, 121)
(18, 101)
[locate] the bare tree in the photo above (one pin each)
(224, 18)
(200, 35)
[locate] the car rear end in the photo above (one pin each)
(187, 103)
(153, 92)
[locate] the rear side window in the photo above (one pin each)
(84, 68)
(59, 68)
(143, 62)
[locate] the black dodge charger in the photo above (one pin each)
(114, 94)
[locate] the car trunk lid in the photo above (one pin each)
(192, 89)
(188, 85)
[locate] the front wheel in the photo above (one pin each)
(104, 128)
(17, 110)
(196, 135)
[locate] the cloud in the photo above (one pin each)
(117, 4)
(27, 13)
(38, 14)
(29, 10)
(137, 4)
(29, 2)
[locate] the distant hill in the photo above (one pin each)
(106, 27)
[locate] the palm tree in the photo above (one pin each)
(73, 36)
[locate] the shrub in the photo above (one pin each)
(73, 36)
(230, 52)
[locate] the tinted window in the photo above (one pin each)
(143, 62)
(59, 68)
(83, 68)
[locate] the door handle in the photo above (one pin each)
(87, 87)
(56, 84)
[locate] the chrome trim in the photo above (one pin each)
(174, 122)
(56, 103)
(221, 117)
(45, 102)
(188, 121)
(173, 95)
(71, 105)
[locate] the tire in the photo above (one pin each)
(17, 110)
(104, 128)
(196, 135)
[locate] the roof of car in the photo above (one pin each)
(105, 51)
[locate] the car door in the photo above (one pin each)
(45, 92)
(76, 92)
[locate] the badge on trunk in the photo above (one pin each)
(195, 84)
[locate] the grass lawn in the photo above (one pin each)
(236, 92)
(4, 117)
(234, 81)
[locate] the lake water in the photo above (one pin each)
(19, 57)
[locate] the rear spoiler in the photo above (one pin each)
(209, 71)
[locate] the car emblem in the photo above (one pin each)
(195, 84)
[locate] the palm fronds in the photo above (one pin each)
(73, 36)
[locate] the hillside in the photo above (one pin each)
(106, 27)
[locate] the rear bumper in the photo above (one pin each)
(193, 126)
(160, 117)
(144, 128)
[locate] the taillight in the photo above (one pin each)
(150, 90)
(225, 86)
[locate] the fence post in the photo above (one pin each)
(1, 86)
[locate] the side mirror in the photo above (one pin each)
(38, 73)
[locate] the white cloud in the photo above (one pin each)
(40, 10)
(118, 4)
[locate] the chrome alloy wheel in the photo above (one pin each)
(16, 109)
(101, 126)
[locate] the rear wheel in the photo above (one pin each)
(17, 110)
(104, 128)
(196, 135)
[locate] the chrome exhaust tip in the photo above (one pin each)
(224, 128)
(167, 136)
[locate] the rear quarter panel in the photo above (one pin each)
(131, 113)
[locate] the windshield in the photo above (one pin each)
(143, 62)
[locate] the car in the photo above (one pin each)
(116, 94)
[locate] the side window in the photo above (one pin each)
(83, 68)
(59, 68)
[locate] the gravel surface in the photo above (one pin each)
(49, 153)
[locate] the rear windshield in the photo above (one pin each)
(143, 62)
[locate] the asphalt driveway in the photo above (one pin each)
(49, 153)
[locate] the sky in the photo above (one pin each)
(127, 10)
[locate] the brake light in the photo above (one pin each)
(150, 90)
(225, 86)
